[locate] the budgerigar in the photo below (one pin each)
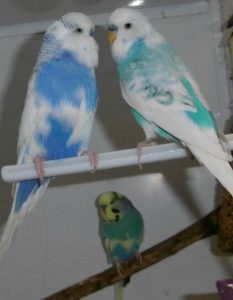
(162, 93)
(59, 109)
(122, 229)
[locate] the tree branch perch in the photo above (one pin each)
(207, 226)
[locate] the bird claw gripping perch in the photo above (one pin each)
(92, 157)
(39, 165)
(140, 145)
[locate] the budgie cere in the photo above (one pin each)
(122, 229)
(164, 97)
(59, 108)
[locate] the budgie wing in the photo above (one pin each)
(70, 97)
(161, 93)
(176, 64)
(31, 117)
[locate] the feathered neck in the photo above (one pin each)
(137, 51)
(84, 50)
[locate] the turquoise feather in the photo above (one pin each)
(124, 234)
(156, 129)
(202, 117)
(122, 230)
(140, 62)
(164, 96)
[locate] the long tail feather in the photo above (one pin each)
(119, 290)
(221, 169)
(18, 212)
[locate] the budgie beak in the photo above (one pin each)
(111, 36)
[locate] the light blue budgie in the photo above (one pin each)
(122, 230)
(162, 93)
(59, 109)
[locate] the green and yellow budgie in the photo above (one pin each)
(122, 230)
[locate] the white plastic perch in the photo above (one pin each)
(107, 160)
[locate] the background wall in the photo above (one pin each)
(58, 244)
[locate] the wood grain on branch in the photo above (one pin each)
(225, 221)
(207, 226)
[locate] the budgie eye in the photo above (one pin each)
(128, 25)
(115, 210)
(79, 30)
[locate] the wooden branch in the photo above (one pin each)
(199, 230)
(225, 221)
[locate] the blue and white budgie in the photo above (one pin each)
(122, 230)
(59, 109)
(164, 97)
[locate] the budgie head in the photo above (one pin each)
(113, 206)
(72, 32)
(126, 26)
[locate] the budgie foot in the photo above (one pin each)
(119, 268)
(139, 257)
(39, 164)
(93, 158)
(147, 142)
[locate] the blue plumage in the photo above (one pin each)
(59, 109)
(71, 77)
(121, 253)
(60, 78)
(55, 142)
(57, 80)
(25, 189)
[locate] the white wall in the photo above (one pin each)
(58, 243)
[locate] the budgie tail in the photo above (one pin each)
(119, 288)
(118, 291)
(20, 208)
(220, 168)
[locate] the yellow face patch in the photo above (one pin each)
(106, 202)
(110, 215)
(106, 198)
